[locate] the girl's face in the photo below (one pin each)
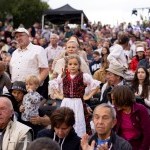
(104, 50)
(30, 86)
(141, 74)
(71, 48)
(73, 66)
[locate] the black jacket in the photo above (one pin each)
(71, 142)
(115, 142)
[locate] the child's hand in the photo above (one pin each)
(21, 108)
(29, 90)
(58, 95)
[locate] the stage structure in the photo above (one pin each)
(64, 14)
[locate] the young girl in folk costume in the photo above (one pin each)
(73, 84)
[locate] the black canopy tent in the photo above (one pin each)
(63, 14)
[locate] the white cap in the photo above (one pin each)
(21, 30)
(140, 49)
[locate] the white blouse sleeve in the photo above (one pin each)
(90, 82)
(56, 84)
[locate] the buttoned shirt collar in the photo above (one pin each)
(28, 47)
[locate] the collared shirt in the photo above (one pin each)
(52, 52)
(27, 61)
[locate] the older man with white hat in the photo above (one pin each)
(115, 76)
(28, 59)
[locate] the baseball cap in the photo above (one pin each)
(21, 30)
(18, 85)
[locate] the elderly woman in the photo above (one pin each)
(62, 131)
(133, 121)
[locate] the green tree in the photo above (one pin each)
(23, 11)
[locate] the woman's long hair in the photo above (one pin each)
(104, 60)
(145, 85)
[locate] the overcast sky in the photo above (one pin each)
(106, 11)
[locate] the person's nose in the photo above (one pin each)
(100, 120)
(60, 132)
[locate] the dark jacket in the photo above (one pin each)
(141, 121)
(145, 63)
(115, 142)
(71, 142)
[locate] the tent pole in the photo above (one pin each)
(43, 21)
(82, 15)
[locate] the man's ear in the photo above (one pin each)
(12, 112)
(114, 123)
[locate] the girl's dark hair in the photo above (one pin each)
(104, 60)
(62, 115)
(145, 85)
(122, 96)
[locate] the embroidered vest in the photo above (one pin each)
(74, 88)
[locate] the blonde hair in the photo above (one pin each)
(32, 79)
(72, 41)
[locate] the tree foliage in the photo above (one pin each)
(23, 11)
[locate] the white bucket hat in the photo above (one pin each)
(116, 69)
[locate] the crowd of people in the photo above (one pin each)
(75, 89)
